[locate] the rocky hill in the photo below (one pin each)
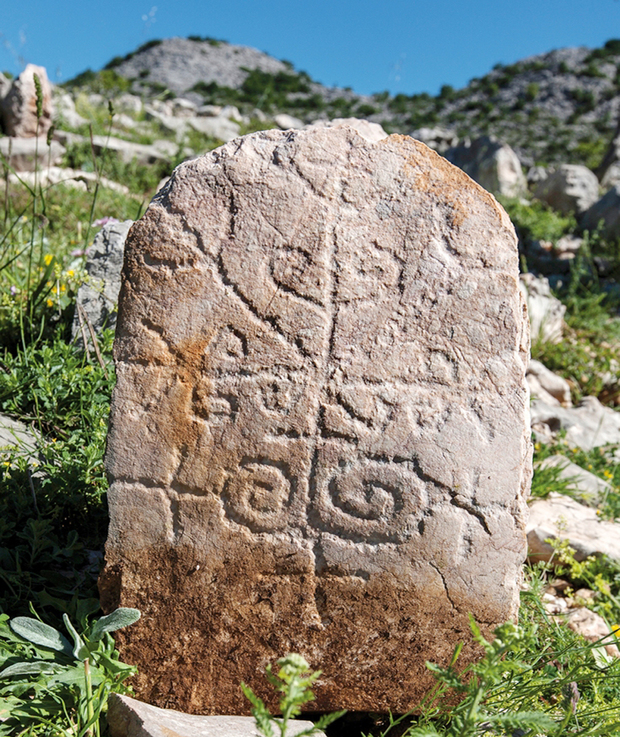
(556, 107)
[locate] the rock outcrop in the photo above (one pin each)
(319, 437)
(570, 188)
(492, 164)
(19, 106)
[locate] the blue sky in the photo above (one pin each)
(399, 45)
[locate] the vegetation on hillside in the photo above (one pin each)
(536, 677)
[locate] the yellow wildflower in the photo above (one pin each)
(70, 273)
(50, 303)
(48, 259)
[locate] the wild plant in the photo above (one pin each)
(48, 683)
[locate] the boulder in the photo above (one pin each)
(494, 165)
(592, 627)
(546, 385)
(586, 487)
(16, 437)
(570, 188)
(220, 127)
(588, 425)
(5, 86)
(372, 132)
(19, 105)
(129, 717)
(319, 437)
(97, 297)
(65, 111)
(74, 178)
(546, 312)
(604, 213)
(287, 122)
(28, 154)
(439, 139)
(560, 517)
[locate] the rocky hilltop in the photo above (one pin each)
(559, 107)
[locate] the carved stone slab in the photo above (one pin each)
(319, 439)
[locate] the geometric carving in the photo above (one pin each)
(258, 494)
(337, 423)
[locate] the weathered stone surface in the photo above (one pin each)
(546, 312)
(439, 139)
(570, 188)
(588, 425)
(28, 154)
(494, 165)
(129, 717)
(19, 106)
(372, 132)
(319, 437)
(15, 435)
(560, 517)
(588, 488)
(606, 213)
(546, 385)
(98, 296)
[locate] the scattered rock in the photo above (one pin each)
(546, 312)
(568, 246)
(494, 165)
(319, 435)
(560, 517)
(98, 296)
(592, 627)
(439, 139)
(5, 86)
(588, 425)
(65, 111)
(74, 178)
(605, 212)
(372, 132)
(128, 104)
(15, 435)
(129, 717)
(287, 122)
(126, 150)
(19, 106)
(28, 154)
(570, 188)
(537, 174)
(546, 385)
(221, 127)
(587, 487)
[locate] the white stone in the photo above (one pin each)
(588, 425)
(588, 488)
(560, 517)
(546, 312)
(546, 385)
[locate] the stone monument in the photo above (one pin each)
(319, 439)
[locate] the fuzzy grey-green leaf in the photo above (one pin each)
(27, 669)
(40, 634)
(121, 617)
(80, 651)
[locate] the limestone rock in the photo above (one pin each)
(592, 627)
(588, 425)
(319, 438)
(27, 154)
(546, 311)
(570, 188)
(286, 122)
(19, 106)
(605, 211)
(5, 86)
(56, 175)
(439, 139)
(15, 435)
(372, 132)
(129, 717)
(65, 110)
(494, 165)
(560, 517)
(546, 385)
(587, 487)
(98, 296)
